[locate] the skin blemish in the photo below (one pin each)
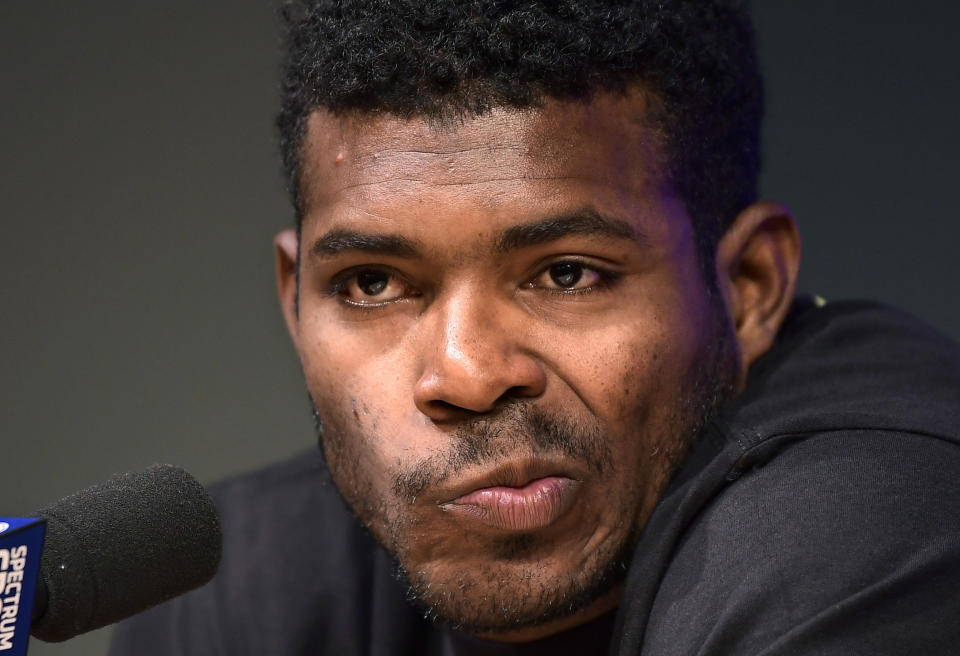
(339, 158)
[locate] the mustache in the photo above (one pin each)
(488, 440)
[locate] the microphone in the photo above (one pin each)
(118, 548)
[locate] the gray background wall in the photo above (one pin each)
(139, 193)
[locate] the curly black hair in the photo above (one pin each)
(450, 58)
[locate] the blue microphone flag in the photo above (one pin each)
(21, 541)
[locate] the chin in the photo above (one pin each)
(512, 589)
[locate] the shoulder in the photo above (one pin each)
(818, 513)
(278, 496)
(296, 569)
(838, 496)
(847, 541)
(283, 522)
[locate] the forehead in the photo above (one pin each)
(608, 141)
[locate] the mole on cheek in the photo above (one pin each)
(338, 159)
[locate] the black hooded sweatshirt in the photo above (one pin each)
(818, 514)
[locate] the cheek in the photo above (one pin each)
(356, 458)
(626, 363)
(361, 400)
(335, 378)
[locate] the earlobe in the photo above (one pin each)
(758, 261)
(286, 247)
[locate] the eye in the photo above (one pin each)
(371, 287)
(372, 283)
(569, 275)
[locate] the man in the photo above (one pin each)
(559, 373)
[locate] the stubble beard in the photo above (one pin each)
(512, 591)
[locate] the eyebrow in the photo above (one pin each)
(338, 241)
(586, 222)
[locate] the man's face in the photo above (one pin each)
(508, 343)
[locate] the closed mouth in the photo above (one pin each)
(516, 501)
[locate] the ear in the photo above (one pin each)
(286, 246)
(758, 260)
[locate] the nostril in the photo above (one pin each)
(444, 411)
(437, 404)
(520, 392)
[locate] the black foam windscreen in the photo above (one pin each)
(118, 548)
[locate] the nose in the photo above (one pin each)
(475, 357)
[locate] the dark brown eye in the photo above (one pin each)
(372, 283)
(373, 288)
(566, 274)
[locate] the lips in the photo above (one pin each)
(534, 505)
